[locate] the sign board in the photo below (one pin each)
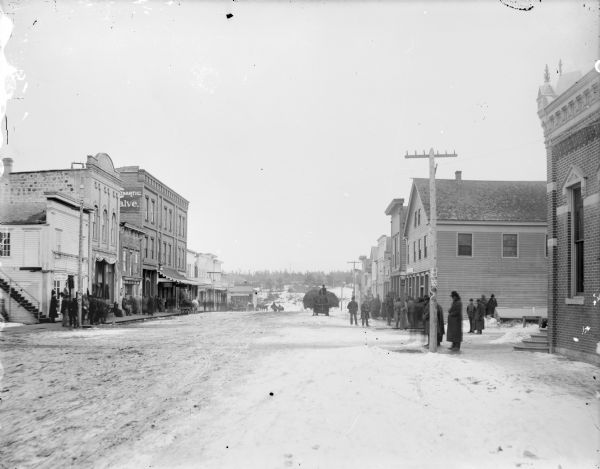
(131, 200)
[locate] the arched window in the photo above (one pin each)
(95, 222)
(104, 225)
(113, 229)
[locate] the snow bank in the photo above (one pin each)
(515, 335)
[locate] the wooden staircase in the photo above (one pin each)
(24, 300)
(537, 342)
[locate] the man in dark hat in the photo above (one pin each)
(454, 333)
(353, 309)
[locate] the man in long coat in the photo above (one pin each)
(53, 313)
(490, 308)
(353, 309)
(365, 307)
(455, 334)
(479, 320)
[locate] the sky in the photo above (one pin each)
(286, 124)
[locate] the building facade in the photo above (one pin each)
(491, 238)
(39, 252)
(383, 266)
(161, 213)
(98, 185)
(130, 262)
(397, 213)
(570, 118)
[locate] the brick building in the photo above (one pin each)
(397, 212)
(570, 116)
(491, 238)
(94, 181)
(161, 213)
(130, 246)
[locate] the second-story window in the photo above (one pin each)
(104, 226)
(95, 222)
(465, 244)
(113, 230)
(146, 247)
(425, 246)
(419, 248)
(419, 217)
(4, 244)
(152, 248)
(147, 208)
(153, 210)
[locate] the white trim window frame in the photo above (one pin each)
(516, 256)
(4, 243)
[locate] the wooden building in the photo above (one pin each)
(491, 238)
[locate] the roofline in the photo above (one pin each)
(132, 227)
(68, 201)
(492, 222)
(557, 102)
(393, 204)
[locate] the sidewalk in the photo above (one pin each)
(111, 321)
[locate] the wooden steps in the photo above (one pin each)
(537, 342)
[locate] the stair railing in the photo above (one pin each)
(13, 286)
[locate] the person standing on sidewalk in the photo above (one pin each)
(364, 313)
(353, 308)
(471, 314)
(53, 313)
(490, 308)
(479, 321)
(455, 334)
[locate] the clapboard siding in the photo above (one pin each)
(516, 282)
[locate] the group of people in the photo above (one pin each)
(68, 305)
(412, 313)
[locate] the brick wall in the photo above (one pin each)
(569, 321)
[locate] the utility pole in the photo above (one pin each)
(433, 239)
(80, 260)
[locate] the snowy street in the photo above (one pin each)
(278, 390)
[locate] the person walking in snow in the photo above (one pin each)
(455, 334)
(353, 309)
(479, 319)
(471, 314)
(364, 313)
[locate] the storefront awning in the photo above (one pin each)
(107, 259)
(167, 274)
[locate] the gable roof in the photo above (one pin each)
(503, 201)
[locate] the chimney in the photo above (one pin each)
(458, 175)
(7, 162)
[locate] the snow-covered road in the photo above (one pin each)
(279, 390)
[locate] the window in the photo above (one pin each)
(170, 220)
(134, 264)
(95, 222)
(59, 240)
(147, 208)
(170, 253)
(164, 253)
(510, 245)
(425, 246)
(104, 226)
(578, 231)
(419, 217)
(146, 247)
(465, 244)
(5, 244)
(419, 248)
(414, 251)
(152, 248)
(113, 230)
(124, 261)
(415, 221)
(164, 221)
(153, 210)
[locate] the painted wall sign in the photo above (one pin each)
(131, 200)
